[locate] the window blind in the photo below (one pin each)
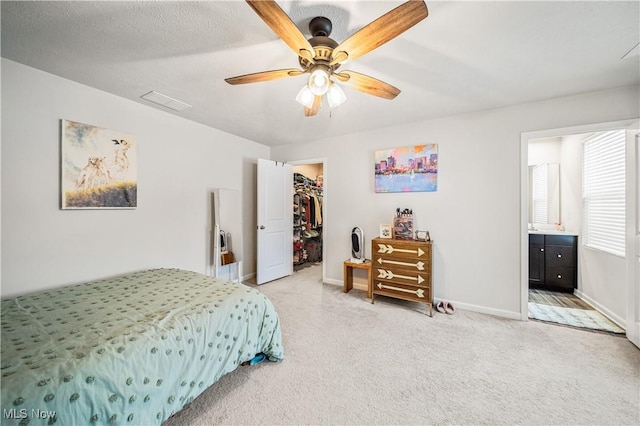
(603, 192)
(539, 190)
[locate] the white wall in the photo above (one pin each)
(179, 162)
(546, 150)
(474, 217)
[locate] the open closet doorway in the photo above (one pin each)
(309, 221)
(604, 276)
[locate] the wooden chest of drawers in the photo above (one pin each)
(402, 269)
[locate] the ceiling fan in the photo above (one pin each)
(321, 56)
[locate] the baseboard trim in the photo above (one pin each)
(464, 306)
(485, 310)
(620, 322)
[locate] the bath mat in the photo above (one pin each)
(583, 318)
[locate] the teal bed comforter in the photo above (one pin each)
(131, 350)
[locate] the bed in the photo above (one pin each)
(130, 350)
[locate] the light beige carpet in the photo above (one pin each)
(350, 362)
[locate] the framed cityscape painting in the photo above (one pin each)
(407, 169)
(99, 168)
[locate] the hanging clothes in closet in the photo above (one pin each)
(307, 229)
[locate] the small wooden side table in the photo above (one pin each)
(348, 275)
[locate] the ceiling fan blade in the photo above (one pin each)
(368, 85)
(283, 26)
(264, 76)
(317, 102)
(380, 31)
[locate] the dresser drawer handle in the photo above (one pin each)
(541, 249)
(559, 255)
(559, 276)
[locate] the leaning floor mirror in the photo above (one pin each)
(226, 234)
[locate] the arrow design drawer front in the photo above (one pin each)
(401, 291)
(420, 279)
(401, 249)
(410, 264)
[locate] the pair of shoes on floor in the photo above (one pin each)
(445, 307)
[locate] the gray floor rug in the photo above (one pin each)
(580, 318)
(568, 310)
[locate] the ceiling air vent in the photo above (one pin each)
(165, 101)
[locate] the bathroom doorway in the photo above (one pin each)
(565, 145)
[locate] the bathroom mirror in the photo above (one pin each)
(544, 193)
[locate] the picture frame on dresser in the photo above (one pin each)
(386, 231)
(422, 236)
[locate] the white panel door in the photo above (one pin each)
(275, 221)
(633, 235)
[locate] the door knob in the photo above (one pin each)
(261, 227)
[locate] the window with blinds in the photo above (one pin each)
(539, 191)
(603, 192)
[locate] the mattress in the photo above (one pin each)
(130, 350)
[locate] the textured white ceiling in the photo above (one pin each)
(466, 56)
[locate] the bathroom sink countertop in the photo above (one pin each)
(551, 232)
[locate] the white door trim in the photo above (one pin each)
(633, 234)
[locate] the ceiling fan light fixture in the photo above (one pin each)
(335, 96)
(305, 97)
(320, 56)
(319, 81)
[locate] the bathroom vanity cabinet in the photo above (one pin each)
(553, 262)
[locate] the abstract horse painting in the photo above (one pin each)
(98, 167)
